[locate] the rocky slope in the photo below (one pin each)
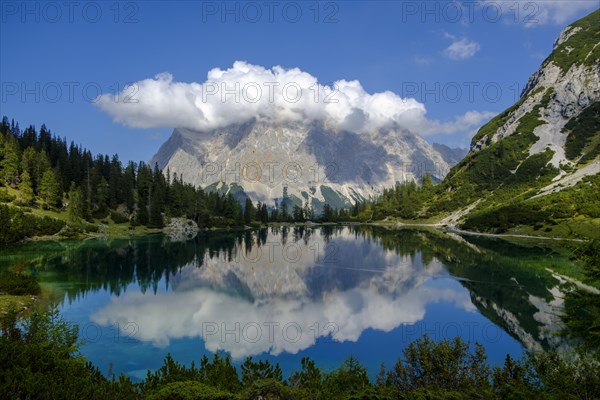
(297, 161)
(548, 141)
(452, 155)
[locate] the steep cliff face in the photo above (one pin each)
(452, 155)
(567, 83)
(300, 162)
(547, 141)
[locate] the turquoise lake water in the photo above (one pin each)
(286, 293)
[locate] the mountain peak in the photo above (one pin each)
(577, 47)
(310, 161)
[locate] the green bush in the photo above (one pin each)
(268, 389)
(581, 47)
(556, 378)
(39, 361)
(589, 254)
(499, 220)
(584, 129)
(190, 390)
(447, 365)
(15, 225)
(5, 197)
(118, 218)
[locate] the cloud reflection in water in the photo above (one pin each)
(264, 301)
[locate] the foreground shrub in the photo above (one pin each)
(190, 390)
(38, 359)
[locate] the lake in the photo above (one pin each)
(284, 293)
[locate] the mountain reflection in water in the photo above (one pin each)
(298, 290)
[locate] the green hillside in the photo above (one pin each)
(502, 178)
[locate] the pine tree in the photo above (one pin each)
(25, 187)
(41, 165)
(284, 215)
(262, 213)
(142, 211)
(155, 219)
(297, 214)
(86, 201)
(102, 198)
(75, 207)
(144, 184)
(383, 377)
(307, 211)
(50, 189)
(29, 165)
(115, 187)
(427, 182)
(202, 215)
(4, 126)
(327, 215)
(157, 196)
(128, 186)
(249, 211)
(275, 212)
(10, 162)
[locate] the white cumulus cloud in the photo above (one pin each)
(462, 123)
(461, 49)
(246, 91)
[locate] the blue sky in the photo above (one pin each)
(451, 57)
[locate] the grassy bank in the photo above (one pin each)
(18, 291)
(18, 303)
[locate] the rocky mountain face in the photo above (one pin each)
(567, 83)
(298, 162)
(548, 141)
(452, 155)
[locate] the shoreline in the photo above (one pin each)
(454, 229)
(143, 231)
(390, 225)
